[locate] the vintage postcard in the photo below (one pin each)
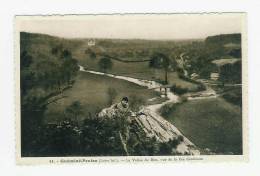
(131, 88)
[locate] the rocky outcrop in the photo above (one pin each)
(154, 126)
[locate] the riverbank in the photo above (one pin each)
(93, 92)
(153, 109)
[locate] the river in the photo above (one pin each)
(153, 109)
(172, 98)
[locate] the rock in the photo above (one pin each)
(154, 126)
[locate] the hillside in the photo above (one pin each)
(224, 39)
(43, 47)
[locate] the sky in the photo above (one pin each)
(175, 26)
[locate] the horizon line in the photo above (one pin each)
(100, 38)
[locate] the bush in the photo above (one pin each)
(169, 148)
(105, 64)
(178, 90)
(200, 86)
(97, 137)
(166, 109)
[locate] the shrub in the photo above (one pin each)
(200, 86)
(169, 147)
(105, 64)
(166, 109)
(97, 137)
(178, 90)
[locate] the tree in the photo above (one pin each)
(160, 60)
(26, 60)
(57, 50)
(90, 53)
(69, 69)
(105, 64)
(27, 76)
(231, 73)
(66, 54)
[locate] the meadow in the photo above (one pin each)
(210, 123)
(92, 92)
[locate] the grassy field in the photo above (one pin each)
(91, 91)
(210, 123)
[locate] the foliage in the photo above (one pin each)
(178, 90)
(200, 86)
(89, 52)
(44, 76)
(96, 137)
(231, 73)
(166, 109)
(74, 110)
(105, 64)
(159, 60)
(224, 38)
(236, 53)
(27, 75)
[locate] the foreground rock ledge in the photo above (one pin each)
(155, 126)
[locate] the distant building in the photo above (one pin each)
(91, 42)
(214, 76)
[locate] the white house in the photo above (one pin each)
(91, 42)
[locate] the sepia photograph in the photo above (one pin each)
(132, 85)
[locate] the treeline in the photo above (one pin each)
(199, 56)
(96, 137)
(224, 39)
